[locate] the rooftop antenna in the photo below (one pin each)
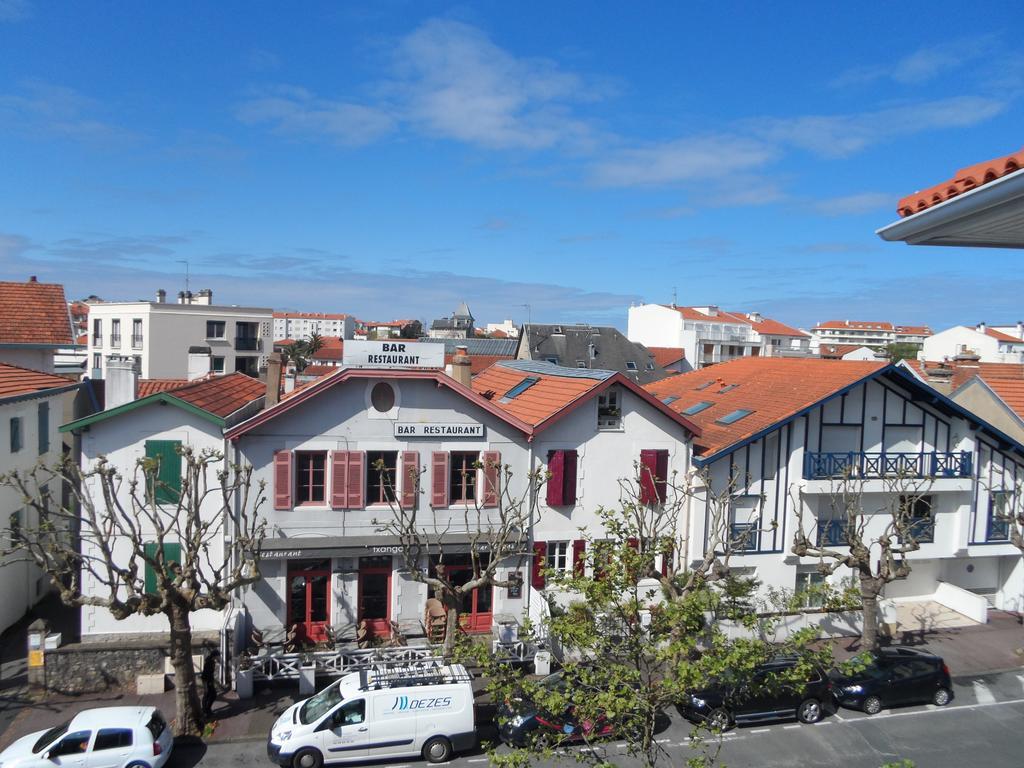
(673, 297)
(183, 261)
(529, 313)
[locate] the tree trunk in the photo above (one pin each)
(869, 607)
(188, 721)
(452, 604)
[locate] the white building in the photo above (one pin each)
(31, 408)
(159, 335)
(788, 430)
(709, 335)
(989, 344)
(301, 325)
(870, 333)
(506, 327)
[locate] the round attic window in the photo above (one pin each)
(382, 397)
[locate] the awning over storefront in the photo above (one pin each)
(322, 547)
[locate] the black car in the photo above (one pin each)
(521, 722)
(895, 676)
(768, 694)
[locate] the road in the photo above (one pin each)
(981, 726)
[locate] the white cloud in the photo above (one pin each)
(852, 205)
(41, 108)
(921, 65)
(294, 111)
(14, 10)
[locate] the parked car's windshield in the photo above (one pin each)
(50, 736)
(319, 705)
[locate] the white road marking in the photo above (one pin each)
(884, 715)
(477, 760)
(1021, 678)
(789, 727)
(663, 741)
(982, 694)
(839, 717)
(760, 730)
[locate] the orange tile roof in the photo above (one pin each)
(149, 387)
(665, 356)
(917, 330)
(964, 180)
(538, 403)
(769, 327)
(1010, 391)
(1002, 336)
(856, 325)
(693, 313)
(15, 381)
(479, 363)
(963, 370)
(221, 395)
(838, 350)
(34, 313)
(773, 388)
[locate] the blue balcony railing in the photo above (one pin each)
(832, 533)
(745, 537)
(818, 466)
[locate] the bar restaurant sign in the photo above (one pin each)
(419, 429)
(396, 353)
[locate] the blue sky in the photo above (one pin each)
(393, 158)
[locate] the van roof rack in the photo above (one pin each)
(425, 672)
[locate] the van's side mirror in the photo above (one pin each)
(54, 753)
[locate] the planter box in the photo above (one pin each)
(307, 680)
(243, 683)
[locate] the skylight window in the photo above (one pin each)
(727, 388)
(705, 386)
(696, 408)
(670, 399)
(631, 365)
(732, 418)
(519, 388)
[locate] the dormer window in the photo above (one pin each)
(631, 365)
(609, 409)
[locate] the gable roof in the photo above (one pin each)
(301, 394)
(149, 387)
(557, 391)
(214, 399)
(960, 371)
(836, 351)
(34, 314)
(478, 363)
(1000, 335)
(666, 356)
(772, 388)
(1010, 391)
(768, 327)
(21, 383)
(964, 180)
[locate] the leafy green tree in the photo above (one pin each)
(301, 353)
(902, 350)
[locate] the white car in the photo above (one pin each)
(108, 737)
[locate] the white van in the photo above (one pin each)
(421, 708)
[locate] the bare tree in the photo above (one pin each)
(871, 541)
(144, 547)
(494, 534)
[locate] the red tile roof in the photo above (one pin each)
(963, 370)
(765, 325)
(836, 351)
(1002, 336)
(15, 381)
(149, 387)
(964, 180)
(857, 325)
(34, 313)
(221, 395)
(1010, 391)
(666, 356)
(772, 388)
(540, 402)
(479, 363)
(917, 330)
(769, 327)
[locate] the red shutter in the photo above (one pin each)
(569, 484)
(439, 479)
(648, 475)
(668, 553)
(540, 559)
(556, 483)
(633, 544)
(354, 498)
(410, 478)
(492, 478)
(579, 552)
(339, 479)
(283, 480)
(661, 481)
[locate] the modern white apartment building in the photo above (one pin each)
(989, 344)
(301, 325)
(710, 335)
(159, 335)
(870, 333)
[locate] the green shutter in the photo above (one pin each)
(172, 554)
(43, 419)
(168, 486)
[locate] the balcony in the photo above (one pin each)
(831, 533)
(247, 344)
(821, 466)
(136, 342)
(744, 537)
(97, 341)
(115, 340)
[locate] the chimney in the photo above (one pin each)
(461, 366)
(1020, 329)
(205, 296)
(32, 279)
(754, 317)
(981, 327)
(199, 363)
(188, 297)
(181, 297)
(122, 381)
(161, 296)
(273, 379)
(289, 378)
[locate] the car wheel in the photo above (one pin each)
(719, 720)
(137, 765)
(942, 697)
(809, 711)
(437, 750)
(307, 758)
(872, 705)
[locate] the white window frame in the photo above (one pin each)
(557, 556)
(610, 398)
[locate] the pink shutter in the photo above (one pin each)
(492, 478)
(648, 475)
(439, 479)
(569, 483)
(556, 483)
(410, 478)
(339, 479)
(283, 480)
(661, 476)
(354, 486)
(579, 552)
(540, 559)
